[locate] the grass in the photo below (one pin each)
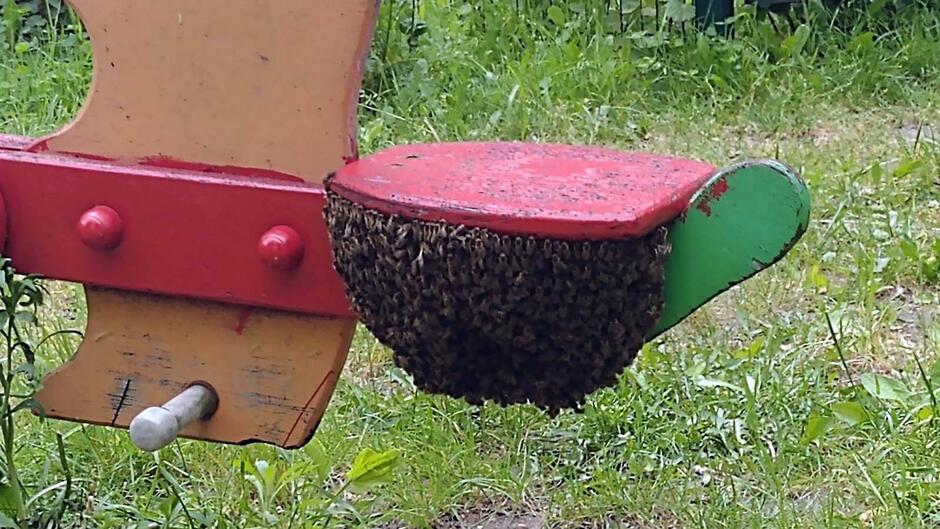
(746, 415)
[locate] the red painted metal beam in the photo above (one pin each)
(14, 143)
(250, 238)
(258, 242)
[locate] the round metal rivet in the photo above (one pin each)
(281, 248)
(101, 228)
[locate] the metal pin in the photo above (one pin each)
(157, 427)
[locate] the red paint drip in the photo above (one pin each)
(38, 146)
(164, 162)
(704, 208)
(306, 407)
(354, 151)
(41, 146)
(243, 316)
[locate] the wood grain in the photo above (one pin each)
(274, 372)
(271, 86)
(267, 85)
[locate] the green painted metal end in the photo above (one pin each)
(743, 220)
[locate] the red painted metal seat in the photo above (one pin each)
(557, 191)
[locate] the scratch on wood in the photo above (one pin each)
(306, 407)
(117, 411)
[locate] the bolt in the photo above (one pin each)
(281, 248)
(101, 228)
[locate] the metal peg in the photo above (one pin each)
(158, 426)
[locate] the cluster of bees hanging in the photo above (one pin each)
(482, 316)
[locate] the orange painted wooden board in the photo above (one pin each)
(274, 372)
(266, 86)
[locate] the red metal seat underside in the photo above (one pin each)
(557, 191)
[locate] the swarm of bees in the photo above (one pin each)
(485, 316)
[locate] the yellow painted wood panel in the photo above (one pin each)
(264, 85)
(274, 372)
(269, 85)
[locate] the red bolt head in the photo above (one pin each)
(101, 228)
(281, 247)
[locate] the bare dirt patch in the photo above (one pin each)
(490, 520)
